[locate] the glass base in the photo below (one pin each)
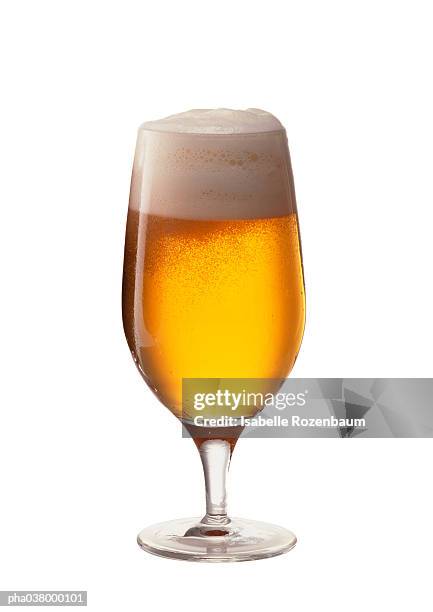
(239, 540)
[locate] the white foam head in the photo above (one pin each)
(213, 164)
(217, 121)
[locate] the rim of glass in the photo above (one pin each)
(144, 128)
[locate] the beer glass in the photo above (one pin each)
(213, 289)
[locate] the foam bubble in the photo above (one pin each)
(217, 121)
(213, 164)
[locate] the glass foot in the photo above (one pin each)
(239, 540)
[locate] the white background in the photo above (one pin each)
(87, 455)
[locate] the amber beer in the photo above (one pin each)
(213, 281)
(212, 299)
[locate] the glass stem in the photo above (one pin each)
(215, 457)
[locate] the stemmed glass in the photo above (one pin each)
(213, 290)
